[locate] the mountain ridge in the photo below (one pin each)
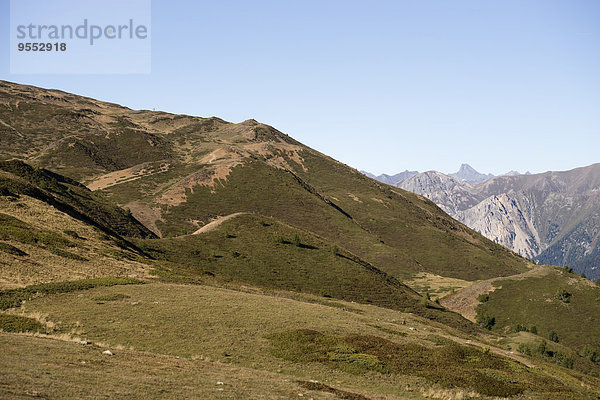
(551, 217)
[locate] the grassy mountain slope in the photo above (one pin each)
(539, 300)
(68, 196)
(359, 349)
(39, 243)
(176, 173)
(277, 265)
(262, 252)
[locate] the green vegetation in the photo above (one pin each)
(10, 249)
(483, 297)
(18, 323)
(14, 297)
(294, 260)
(535, 301)
(70, 197)
(486, 321)
(449, 365)
(352, 352)
(306, 282)
(112, 297)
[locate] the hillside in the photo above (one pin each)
(216, 260)
(551, 217)
(177, 173)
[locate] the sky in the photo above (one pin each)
(382, 86)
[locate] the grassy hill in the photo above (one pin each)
(555, 301)
(238, 255)
(176, 173)
(353, 348)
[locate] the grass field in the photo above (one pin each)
(534, 301)
(366, 349)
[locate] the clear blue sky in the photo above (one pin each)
(380, 85)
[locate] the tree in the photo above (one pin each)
(553, 336)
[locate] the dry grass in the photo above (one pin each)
(227, 326)
(40, 265)
(435, 285)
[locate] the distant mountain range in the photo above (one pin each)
(466, 173)
(552, 217)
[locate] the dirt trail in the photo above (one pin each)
(466, 300)
(215, 224)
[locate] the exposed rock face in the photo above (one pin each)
(552, 217)
(504, 219)
(450, 194)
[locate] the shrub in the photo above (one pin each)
(553, 336)
(533, 330)
(592, 353)
(521, 328)
(112, 297)
(14, 297)
(563, 360)
(563, 295)
(17, 323)
(486, 321)
(524, 349)
(542, 347)
(483, 297)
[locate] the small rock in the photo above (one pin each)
(83, 342)
(412, 329)
(220, 383)
(108, 353)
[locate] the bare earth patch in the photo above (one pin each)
(215, 224)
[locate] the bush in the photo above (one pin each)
(542, 347)
(563, 295)
(483, 297)
(521, 328)
(524, 349)
(563, 360)
(14, 297)
(553, 336)
(17, 323)
(486, 321)
(592, 353)
(533, 330)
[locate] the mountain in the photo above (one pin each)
(552, 217)
(209, 259)
(468, 174)
(177, 173)
(391, 179)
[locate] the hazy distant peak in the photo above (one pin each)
(468, 174)
(391, 179)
